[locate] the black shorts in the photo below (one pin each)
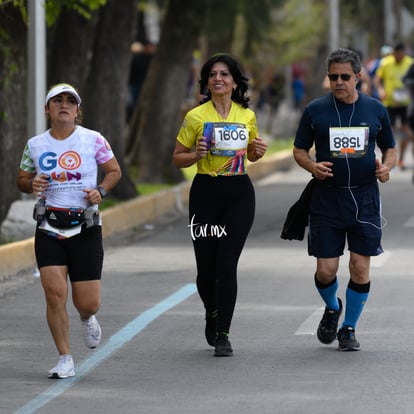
(82, 254)
(396, 112)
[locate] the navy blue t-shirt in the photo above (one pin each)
(350, 167)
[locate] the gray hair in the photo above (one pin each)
(344, 56)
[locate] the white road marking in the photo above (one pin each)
(105, 351)
(379, 261)
(309, 326)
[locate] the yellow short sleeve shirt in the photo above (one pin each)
(231, 136)
(391, 73)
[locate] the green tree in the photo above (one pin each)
(108, 79)
(13, 85)
(75, 47)
(96, 59)
(158, 114)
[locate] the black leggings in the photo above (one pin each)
(221, 214)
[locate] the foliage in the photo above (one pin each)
(237, 25)
(83, 7)
(297, 31)
(409, 4)
(259, 21)
(20, 4)
(54, 7)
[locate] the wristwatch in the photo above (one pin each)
(102, 191)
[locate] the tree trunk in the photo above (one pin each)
(107, 83)
(159, 111)
(13, 102)
(221, 19)
(70, 63)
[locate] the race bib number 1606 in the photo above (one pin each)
(227, 139)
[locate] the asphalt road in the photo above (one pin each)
(154, 359)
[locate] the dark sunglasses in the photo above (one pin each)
(335, 76)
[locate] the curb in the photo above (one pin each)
(19, 256)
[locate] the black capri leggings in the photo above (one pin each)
(221, 214)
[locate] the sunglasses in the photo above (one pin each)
(343, 76)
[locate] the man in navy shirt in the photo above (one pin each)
(344, 127)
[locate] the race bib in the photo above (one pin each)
(401, 95)
(226, 139)
(348, 142)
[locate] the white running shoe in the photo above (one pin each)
(64, 369)
(92, 333)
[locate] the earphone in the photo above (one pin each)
(382, 218)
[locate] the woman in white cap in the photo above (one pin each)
(60, 166)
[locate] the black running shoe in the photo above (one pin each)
(328, 325)
(223, 346)
(347, 340)
(211, 329)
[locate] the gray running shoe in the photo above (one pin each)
(328, 325)
(347, 340)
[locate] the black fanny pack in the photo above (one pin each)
(64, 218)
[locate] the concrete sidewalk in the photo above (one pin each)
(18, 257)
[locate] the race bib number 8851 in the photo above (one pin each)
(348, 142)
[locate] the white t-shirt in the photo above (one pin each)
(71, 164)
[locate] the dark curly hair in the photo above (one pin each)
(239, 94)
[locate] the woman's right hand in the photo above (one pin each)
(202, 147)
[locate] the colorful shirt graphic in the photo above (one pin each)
(71, 164)
(231, 135)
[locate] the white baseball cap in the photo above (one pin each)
(386, 50)
(62, 88)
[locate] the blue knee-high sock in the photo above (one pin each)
(328, 293)
(356, 297)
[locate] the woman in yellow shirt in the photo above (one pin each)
(220, 135)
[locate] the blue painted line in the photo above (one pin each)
(115, 342)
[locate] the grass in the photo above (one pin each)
(279, 145)
(145, 189)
